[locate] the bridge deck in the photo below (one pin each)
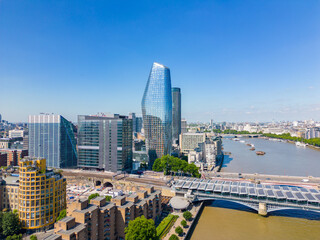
(282, 195)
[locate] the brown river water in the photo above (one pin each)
(229, 224)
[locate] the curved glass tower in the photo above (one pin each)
(157, 112)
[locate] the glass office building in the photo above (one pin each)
(52, 137)
(105, 142)
(157, 112)
(176, 114)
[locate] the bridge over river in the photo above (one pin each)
(263, 198)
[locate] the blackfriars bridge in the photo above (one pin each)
(264, 198)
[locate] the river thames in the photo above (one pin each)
(230, 221)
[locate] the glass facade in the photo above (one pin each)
(157, 112)
(176, 114)
(52, 137)
(105, 142)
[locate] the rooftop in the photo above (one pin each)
(66, 219)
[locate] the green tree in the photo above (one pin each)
(93, 195)
(10, 224)
(33, 237)
(141, 229)
(184, 223)
(1, 217)
(15, 237)
(62, 214)
(179, 230)
(187, 215)
(108, 198)
(173, 237)
(157, 165)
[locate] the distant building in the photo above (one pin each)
(52, 137)
(139, 123)
(14, 156)
(176, 114)
(16, 133)
(134, 121)
(190, 141)
(157, 112)
(105, 142)
(313, 133)
(6, 143)
(184, 127)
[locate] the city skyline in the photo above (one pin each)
(234, 61)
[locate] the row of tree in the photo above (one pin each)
(287, 136)
(172, 165)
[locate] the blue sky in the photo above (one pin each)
(234, 60)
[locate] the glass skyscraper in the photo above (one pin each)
(52, 137)
(157, 112)
(105, 142)
(176, 114)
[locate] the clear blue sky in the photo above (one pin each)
(234, 60)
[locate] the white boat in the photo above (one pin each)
(242, 141)
(300, 144)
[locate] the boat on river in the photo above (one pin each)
(252, 149)
(300, 144)
(260, 153)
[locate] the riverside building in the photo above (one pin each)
(176, 114)
(101, 220)
(157, 112)
(42, 194)
(105, 142)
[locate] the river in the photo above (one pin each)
(230, 221)
(281, 158)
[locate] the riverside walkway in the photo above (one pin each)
(263, 198)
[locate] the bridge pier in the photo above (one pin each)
(262, 209)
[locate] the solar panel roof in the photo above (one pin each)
(251, 185)
(267, 186)
(209, 187)
(187, 184)
(313, 190)
(261, 192)
(202, 186)
(317, 196)
(218, 188)
(270, 193)
(276, 187)
(194, 185)
(259, 185)
(243, 190)
(235, 183)
(280, 194)
(234, 189)
(294, 189)
(286, 188)
(252, 191)
(289, 195)
(243, 184)
(310, 197)
(179, 184)
(226, 188)
(299, 196)
(303, 190)
(220, 182)
(227, 182)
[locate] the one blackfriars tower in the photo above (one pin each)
(157, 112)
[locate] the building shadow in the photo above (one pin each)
(227, 159)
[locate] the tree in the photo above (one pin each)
(10, 224)
(184, 223)
(179, 230)
(141, 229)
(62, 214)
(33, 237)
(187, 215)
(108, 198)
(15, 237)
(93, 195)
(173, 237)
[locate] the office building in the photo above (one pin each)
(134, 122)
(139, 124)
(16, 133)
(105, 142)
(190, 141)
(7, 143)
(312, 133)
(184, 127)
(52, 137)
(176, 114)
(157, 112)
